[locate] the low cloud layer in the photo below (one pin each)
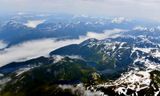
(105, 34)
(32, 49)
(42, 47)
(2, 44)
(34, 23)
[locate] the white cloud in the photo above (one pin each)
(80, 89)
(36, 48)
(119, 20)
(2, 44)
(105, 34)
(32, 49)
(34, 23)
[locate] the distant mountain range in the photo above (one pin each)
(19, 28)
(124, 65)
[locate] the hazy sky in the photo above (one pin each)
(127, 8)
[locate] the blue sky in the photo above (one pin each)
(127, 8)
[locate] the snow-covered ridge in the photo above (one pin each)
(143, 28)
(135, 79)
(119, 20)
(155, 52)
